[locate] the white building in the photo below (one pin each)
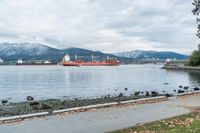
(19, 61)
(66, 58)
(1, 61)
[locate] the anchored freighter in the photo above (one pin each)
(108, 62)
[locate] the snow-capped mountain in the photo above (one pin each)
(141, 54)
(31, 49)
(28, 51)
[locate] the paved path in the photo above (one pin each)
(104, 120)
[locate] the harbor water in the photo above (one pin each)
(58, 82)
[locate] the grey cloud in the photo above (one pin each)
(107, 25)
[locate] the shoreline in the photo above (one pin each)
(34, 106)
(182, 68)
(17, 118)
(72, 110)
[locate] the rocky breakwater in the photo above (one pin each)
(180, 65)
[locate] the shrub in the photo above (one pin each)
(194, 59)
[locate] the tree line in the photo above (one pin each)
(195, 56)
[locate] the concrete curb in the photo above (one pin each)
(85, 107)
(106, 104)
(24, 116)
(143, 99)
(77, 108)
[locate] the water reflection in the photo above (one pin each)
(194, 78)
(56, 82)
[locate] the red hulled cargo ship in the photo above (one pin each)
(108, 62)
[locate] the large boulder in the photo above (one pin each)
(5, 101)
(30, 98)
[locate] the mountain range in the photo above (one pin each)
(27, 51)
(142, 54)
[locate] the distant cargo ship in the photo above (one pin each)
(2, 62)
(21, 62)
(108, 62)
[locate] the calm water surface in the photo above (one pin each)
(44, 82)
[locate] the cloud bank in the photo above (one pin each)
(106, 25)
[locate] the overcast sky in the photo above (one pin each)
(106, 25)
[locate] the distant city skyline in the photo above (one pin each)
(105, 25)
